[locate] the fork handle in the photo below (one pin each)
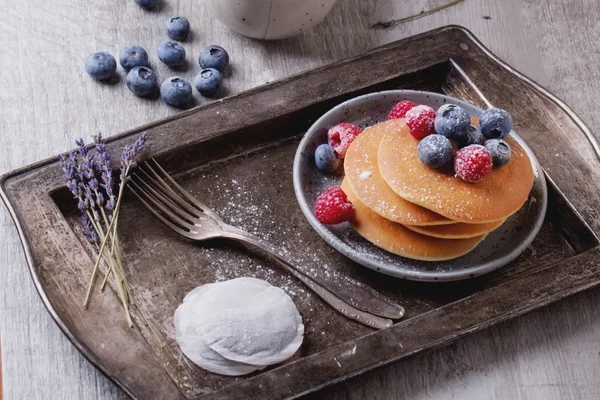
(334, 300)
(330, 298)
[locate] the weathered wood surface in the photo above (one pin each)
(549, 354)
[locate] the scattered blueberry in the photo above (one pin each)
(178, 28)
(176, 91)
(471, 135)
(133, 56)
(208, 82)
(500, 151)
(101, 65)
(451, 119)
(147, 4)
(171, 53)
(495, 123)
(435, 151)
(142, 81)
(327, 159)
(214, 57)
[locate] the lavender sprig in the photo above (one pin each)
(90, 180)
(90, 232)
(127, 163)
(129, 153)
(106, 173)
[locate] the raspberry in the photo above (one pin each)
(473, 163)
(333, 207)
(340, 136)
(420, 120)
(401, 108)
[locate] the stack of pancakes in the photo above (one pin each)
(418, 212)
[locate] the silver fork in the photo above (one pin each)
(184, 214)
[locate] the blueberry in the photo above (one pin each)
(451, 119)
(471, 135)
(142, 81)
(495, 123)
(435, 151)
(171, 53)
(208, 82)
(176, 91)
(500, 151)
(214, 57)
(178, 28)
(327, 159)
(133, 56)
(147, 4)
(101, 65)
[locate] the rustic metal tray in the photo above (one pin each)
(236, 155)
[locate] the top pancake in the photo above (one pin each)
(496, 197)
(362, 174)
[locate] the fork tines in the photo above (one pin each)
(166, 199)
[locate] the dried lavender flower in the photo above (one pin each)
(90, 180)
(89, 232)
(106, 173)
(130, 152)
(98, 139)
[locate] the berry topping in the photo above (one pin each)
(333, 207)
(500, 151)
(469, 136)
(420, 121)
(400, 109)
(340, 136)
(473, 163)
(327, 159)
(451, 119)
(495, 123)
(435, 151)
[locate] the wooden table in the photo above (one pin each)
(48, 100)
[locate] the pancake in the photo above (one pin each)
(397, 239)
(496, 197)
(362, 174)
(457, 231)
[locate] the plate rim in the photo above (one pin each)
(384, 267)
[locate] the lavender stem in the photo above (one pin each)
(115, 244)
(104, 243)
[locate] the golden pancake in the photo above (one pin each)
(399, 240)
(496, 197)
(362, 174)
(457, 231)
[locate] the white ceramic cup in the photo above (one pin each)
(270, 19)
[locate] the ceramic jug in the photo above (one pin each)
(270, 19)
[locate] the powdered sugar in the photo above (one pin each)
(420, 120)
(341, 136)
(365, 175)
(473, 163)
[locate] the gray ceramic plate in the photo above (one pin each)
(498, 249)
